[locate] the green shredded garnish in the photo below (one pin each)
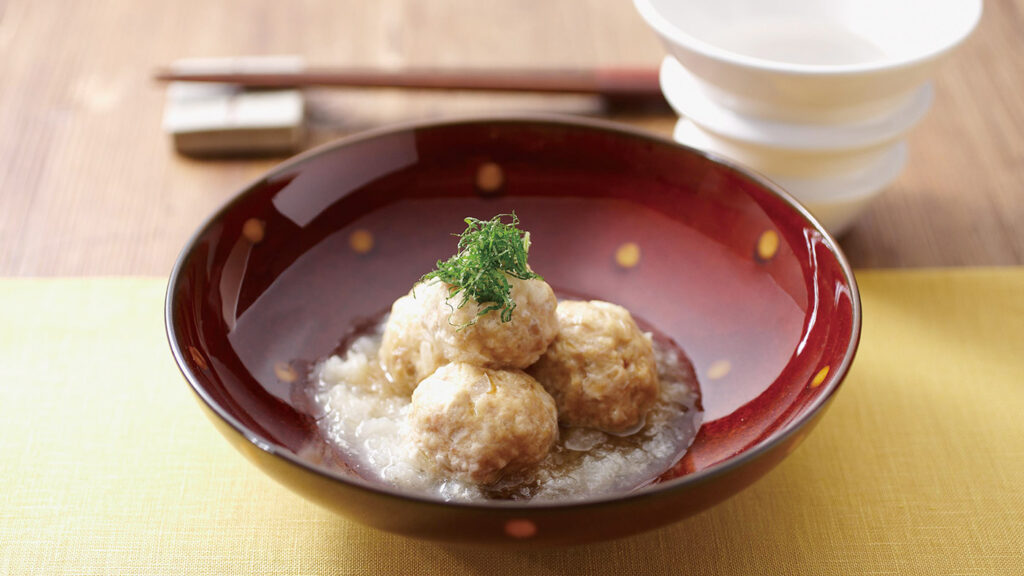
(489, 251)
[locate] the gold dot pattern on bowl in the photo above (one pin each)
(489, 178)
(520, 528)
(285, 372)
(719, 369)
(197, 358)
(767, 245)
(628, 255)
(253, 230)
(819, 377)
(361, 241)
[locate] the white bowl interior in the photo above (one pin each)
(816, 33)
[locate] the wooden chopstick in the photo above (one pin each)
(619, 84)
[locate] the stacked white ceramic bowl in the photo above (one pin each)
(818, 95)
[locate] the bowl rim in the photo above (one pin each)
(275, 450)
(676, 36)
(682, 91)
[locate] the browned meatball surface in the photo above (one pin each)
(427, 330)
(409, 351)
(495, 344)
(600, 369)
(478, 424)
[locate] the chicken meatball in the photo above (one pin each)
(477, 424)
(491, 343)
(426, 330)
(409, 351)
(600, 368)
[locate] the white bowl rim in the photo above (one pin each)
(865, 182)
(861, 184)
(682, 90)
(664, 27)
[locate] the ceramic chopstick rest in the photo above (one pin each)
(208, 119)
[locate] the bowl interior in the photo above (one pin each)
(755, 293)
(816, 33)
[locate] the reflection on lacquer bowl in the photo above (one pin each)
(729, 267)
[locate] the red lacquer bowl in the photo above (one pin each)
(740, 276)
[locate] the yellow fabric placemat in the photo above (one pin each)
(108, 466)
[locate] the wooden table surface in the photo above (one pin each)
(89, 185)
